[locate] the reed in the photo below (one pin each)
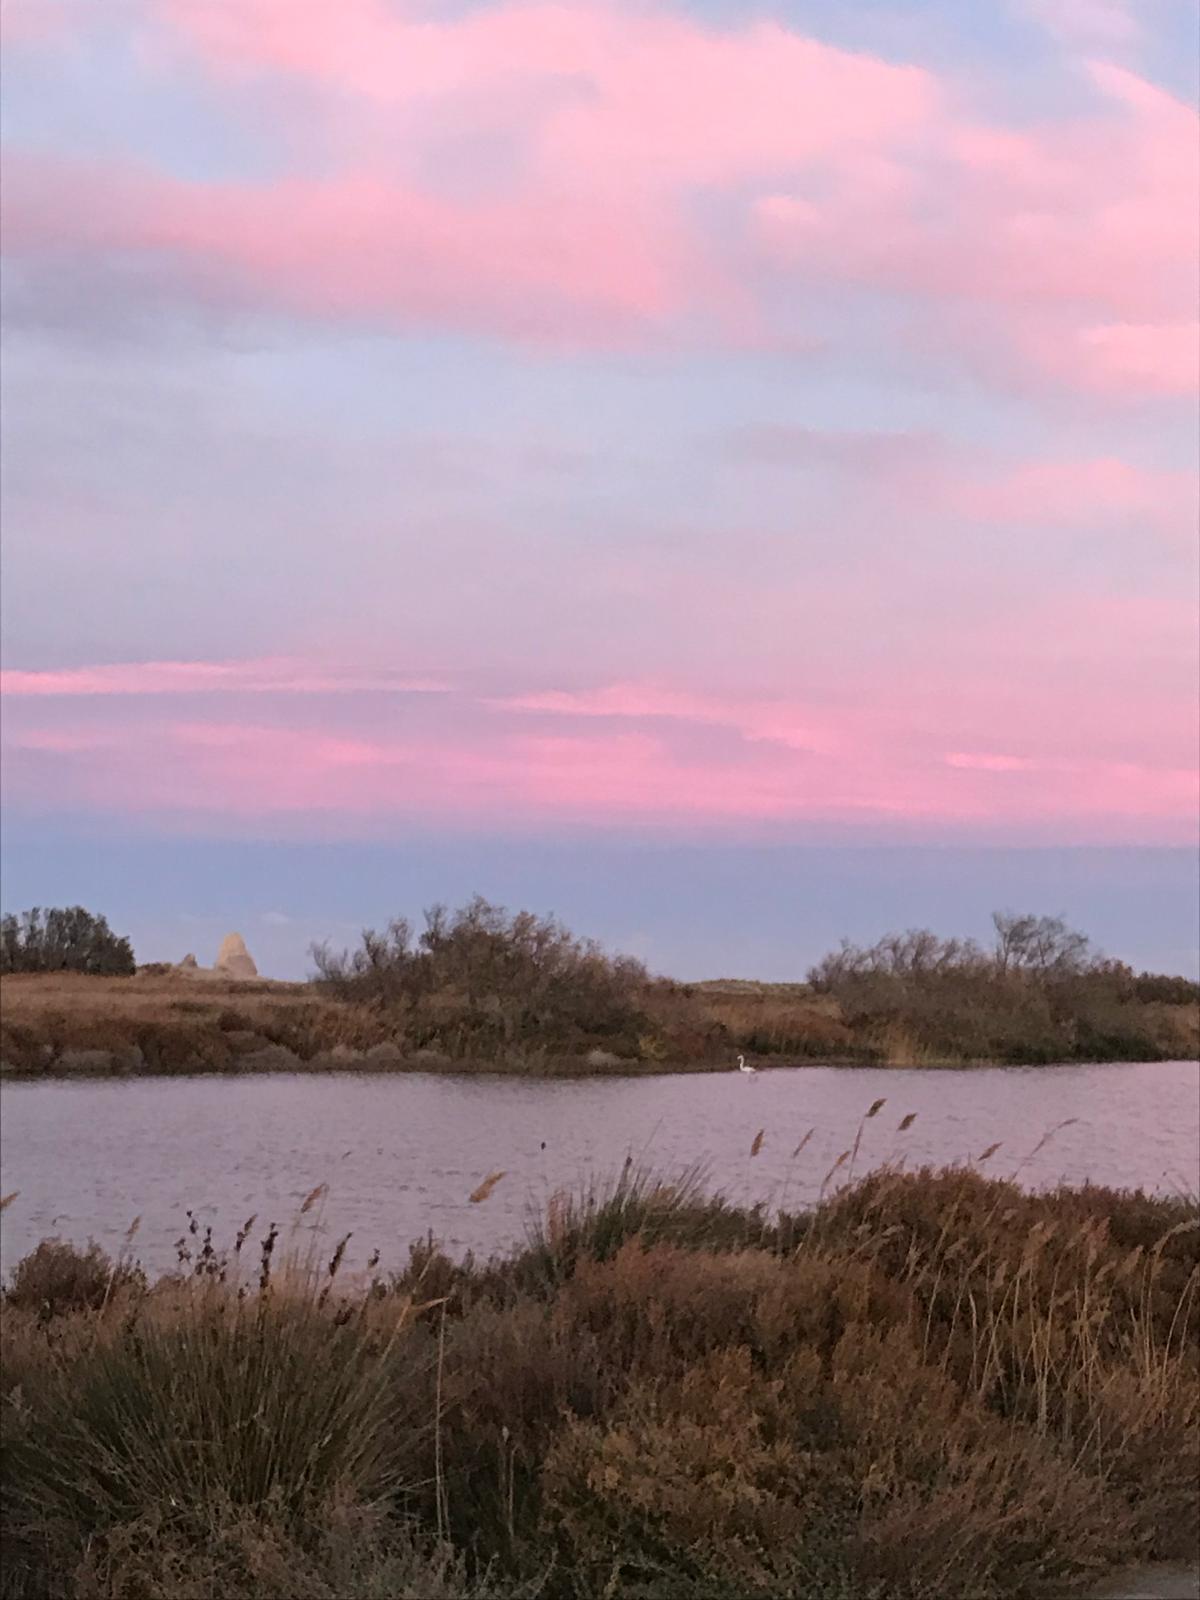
(480, 1194)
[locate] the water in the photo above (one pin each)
(401, 1153)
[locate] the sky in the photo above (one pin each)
(725, 473)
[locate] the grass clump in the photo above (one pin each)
(932, 1384)
(594, 1223)
(56, 1278)
(199, 1410)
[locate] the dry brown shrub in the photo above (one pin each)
(878, 1475)
(944, 1481)
(57, 1277)
(690, 1490)
(348, 1553)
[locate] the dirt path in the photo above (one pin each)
(1156, 1582)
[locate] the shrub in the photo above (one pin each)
(1150, 987)
(56, 1277)
(63, 940)
(482, 981)
(347, 1552)
(1040, 995)
(864, 1469)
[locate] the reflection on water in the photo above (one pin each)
(402, 1153)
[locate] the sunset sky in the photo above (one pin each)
(724, 472)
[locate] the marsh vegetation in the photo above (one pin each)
(482, 988)
(930, 1384)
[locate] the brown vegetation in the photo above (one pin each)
(69, 1023)
(480, 988)
(933, 1384)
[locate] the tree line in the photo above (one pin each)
(63, 939)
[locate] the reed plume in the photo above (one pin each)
(479, 1195)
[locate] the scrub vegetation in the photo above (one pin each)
(64, 939)
(484, 989)
(932, 1384)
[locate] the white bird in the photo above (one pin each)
(742, 1067)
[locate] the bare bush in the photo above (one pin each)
(482, 979)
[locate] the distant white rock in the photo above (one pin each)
(233, 959)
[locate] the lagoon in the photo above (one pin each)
(402, 1153)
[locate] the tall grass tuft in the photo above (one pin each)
(594, 1223)
(269, 1404)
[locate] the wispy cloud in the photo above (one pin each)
(990, 763)
(798, 727)
(616, 756)
(1092, 24)
(271, 675)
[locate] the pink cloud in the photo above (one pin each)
(1084, 234)
(639, 754)
(1092, 491)
(1148, 358)
(270, 675)
(648, 96)
(239, 772)
(772, 721)
(363, 247)
(612, 121)
(36, 22)
(989, 763)
(934, 478)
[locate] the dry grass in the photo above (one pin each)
(73, 1024)
(933, 1384)
(142, 998)
(173, 1024)
(781, 1019)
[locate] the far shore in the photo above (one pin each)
(71, 1026)
(71, 1064)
